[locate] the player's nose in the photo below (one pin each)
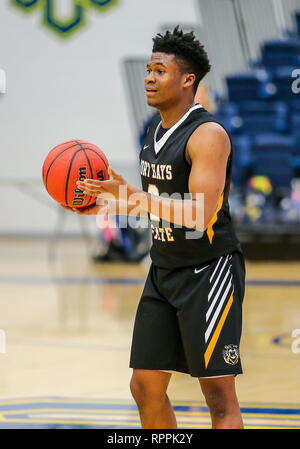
(149, 78)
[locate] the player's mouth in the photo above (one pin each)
(150, 91)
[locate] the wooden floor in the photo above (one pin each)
(68, 325)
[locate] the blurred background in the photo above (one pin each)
(74, 69)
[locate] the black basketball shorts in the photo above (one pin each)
(190, 319)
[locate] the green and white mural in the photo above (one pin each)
(64, 25)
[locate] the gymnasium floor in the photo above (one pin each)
(68, 326)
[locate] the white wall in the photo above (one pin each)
(59, 89)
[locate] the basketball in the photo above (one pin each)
(69, 162)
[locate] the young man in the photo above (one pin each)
(190, 314)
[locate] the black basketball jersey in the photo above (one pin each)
(165, 170)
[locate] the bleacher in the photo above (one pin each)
(262, 113)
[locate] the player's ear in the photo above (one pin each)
(189, 80)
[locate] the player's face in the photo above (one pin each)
(164, 81)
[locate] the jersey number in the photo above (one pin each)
(154, 191)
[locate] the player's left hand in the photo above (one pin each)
(112, 186)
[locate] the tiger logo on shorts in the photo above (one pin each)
(231, 354)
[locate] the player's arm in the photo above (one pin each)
(121, 198)
(208, 150)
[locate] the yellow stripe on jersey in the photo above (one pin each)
(210, 232)
(214, 339)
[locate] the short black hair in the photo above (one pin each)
(188, 51)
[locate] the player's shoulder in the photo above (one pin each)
(210, 130)
(207, 135)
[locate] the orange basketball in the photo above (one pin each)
(71, 161)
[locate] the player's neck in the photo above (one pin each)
(171, 116)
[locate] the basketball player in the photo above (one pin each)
(190, 314)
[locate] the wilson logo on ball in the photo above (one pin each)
(78, 198)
